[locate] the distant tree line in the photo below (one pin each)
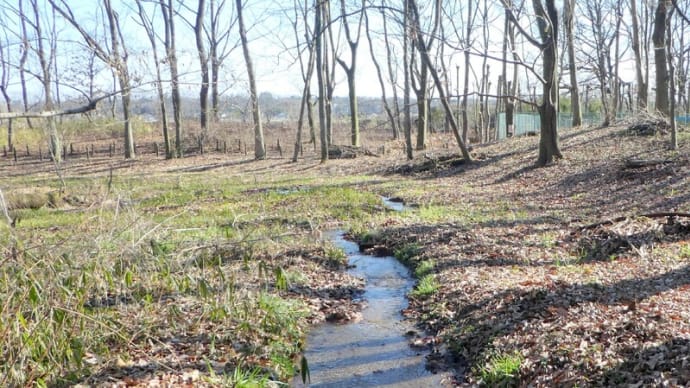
(499, 54)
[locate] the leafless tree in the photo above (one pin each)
(320, 76)
(420, 74)
(600, 27)
(23, 58)
(546, 16)
(116, 57)
(392, 73)
(259, 145)
(568, 22)
(416, 28)
(46, 56)
(659, 35)
(640, 49)
(5, 69)
(351, 68)
(221, 22)
(168, 13)
(147, 24)
(466, 81)
(392, 116)
(199, 35)
(307, 70)
(406, 69)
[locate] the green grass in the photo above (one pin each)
(407, 252)
(501, 370)
(427, 286)
(424, 268)
(162, 256)
(684, 251)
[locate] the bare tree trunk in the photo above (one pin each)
(329, 64)
(203, 64)
(660, 61)
(414, 14)
(641, 101)
(350, 70)
(120, 64)
(466, 89)
(569, 16)
(305, 103)
(215, 62)
(44, 60)
(323, 127)
(150, 33)
(4, 83)
(22, 62)
(392, 76)
(220, 29)
(379, 75)
(548, 110)
(616, 87)
(672, 82)
(259, 146)
(171, 55)
(511, 86)
(420, 90)
(406, 69)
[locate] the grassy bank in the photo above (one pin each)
(181, 277)
(208, 270)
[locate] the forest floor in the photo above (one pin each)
(208, 270)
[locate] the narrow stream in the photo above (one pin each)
(373, 352)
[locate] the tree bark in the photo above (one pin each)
(660, 60)
(548, 110)
(406, 70)
(569, 16)
(351, 71)
(4, 83)
(466, 88)
(150, 33)
(259, 146)
(414, 14)
(45, 63)
(305, 103)
(379, 75)
(641, 100)
(171, 55)
(323, 126)
(203, 64)
(22, 61)
(120, 64)
(392, 75)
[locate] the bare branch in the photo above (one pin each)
(91, 105)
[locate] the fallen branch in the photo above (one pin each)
(639, 163)
(623, 218)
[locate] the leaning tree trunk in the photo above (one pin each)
(439, 85)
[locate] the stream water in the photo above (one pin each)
(373, 352)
